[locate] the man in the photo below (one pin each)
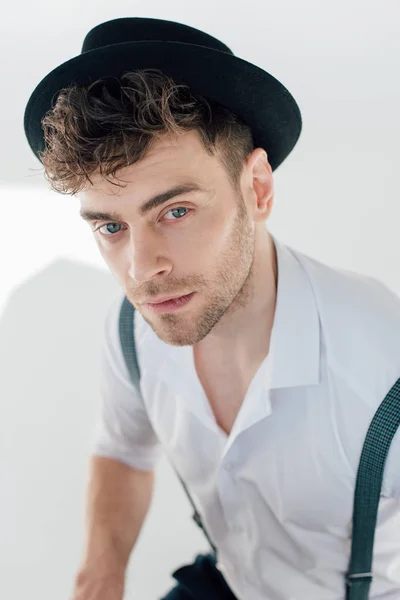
(261, 368)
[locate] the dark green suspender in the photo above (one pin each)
(367, 493)
(369, 478)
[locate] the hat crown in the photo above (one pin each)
(139, 29)
(189, 56)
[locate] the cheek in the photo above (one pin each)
(104, 253)
(200, 251)
(218, 238)
(213, 235)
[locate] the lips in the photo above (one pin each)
(166, 299)
(170, 306)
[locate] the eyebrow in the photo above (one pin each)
(89, 215)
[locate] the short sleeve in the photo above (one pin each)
(123, 430)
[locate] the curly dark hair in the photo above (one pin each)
(111, 123)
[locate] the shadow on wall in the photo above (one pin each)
(51, 333)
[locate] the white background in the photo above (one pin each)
(337, 199)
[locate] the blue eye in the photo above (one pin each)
(109, 234)
(171, 210)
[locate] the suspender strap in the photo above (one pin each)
(127, 339)
(367, 493)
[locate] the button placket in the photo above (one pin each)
(229, 498)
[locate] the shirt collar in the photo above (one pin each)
(295, 336)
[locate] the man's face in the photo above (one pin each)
(202, 241)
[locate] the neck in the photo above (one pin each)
(242, 337)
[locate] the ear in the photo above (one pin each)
(262, 185)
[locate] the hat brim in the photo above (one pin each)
(257, 97)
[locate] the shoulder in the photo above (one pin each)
(360, 322)
(111, 348)
(149, 349)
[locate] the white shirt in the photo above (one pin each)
(276, 495)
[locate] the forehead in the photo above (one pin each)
(168, 161)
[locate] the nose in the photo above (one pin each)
(147, 259)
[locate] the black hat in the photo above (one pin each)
(189, 56)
